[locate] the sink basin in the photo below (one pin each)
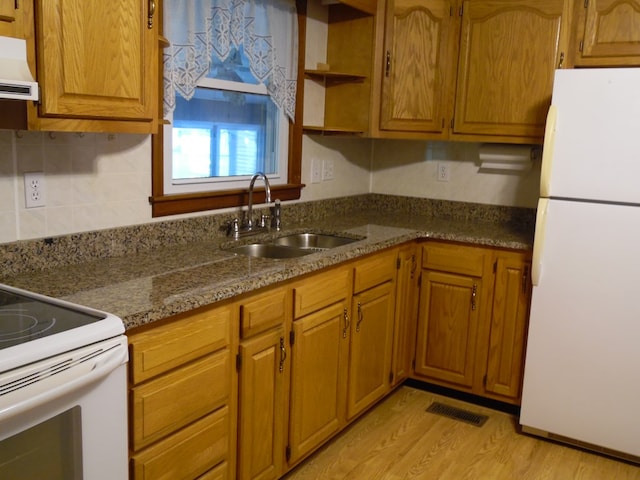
(313, 240)
(269, 250)
(292, 246)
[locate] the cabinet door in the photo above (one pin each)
(97, 59)
(262, 406)
(419, 66)
(448, 318)
(510, 313)
(11, 19)
(405, 313)
(371, 345)
(318, 375)
(608, 33)
(509, 50)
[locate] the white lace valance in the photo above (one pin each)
(198, 30)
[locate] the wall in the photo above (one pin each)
(92, 181)
(409, 168)
(96, 181)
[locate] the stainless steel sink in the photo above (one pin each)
(294, 245)
(313, 240)
(269, 250)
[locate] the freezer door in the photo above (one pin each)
(583, 350)
(596, 149)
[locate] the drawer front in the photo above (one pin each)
(170, 402)
(221, 472)
(160, 349)
(320, 290)
(375, 271)
(187, 454)
(262, 312)
(454, 258)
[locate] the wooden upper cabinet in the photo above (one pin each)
(97, 60)
(509, 50)
(418, 66)
(607, 33)
(11, 19)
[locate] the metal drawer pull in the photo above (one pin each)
(347, 323)
(474, 292)
(283, 354)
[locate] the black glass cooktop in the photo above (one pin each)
(24, 318)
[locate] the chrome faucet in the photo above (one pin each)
(248, 225)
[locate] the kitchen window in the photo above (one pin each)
(228, 108)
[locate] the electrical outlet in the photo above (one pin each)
(327, 169)
(443, 172)
(316, 170)
(34, 189)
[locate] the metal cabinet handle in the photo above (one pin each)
(561, 62)
(283, 354)
(152, 11)
(414, 265)
(360, 317)
(347, 323)
(474, 292)
(388, 67)
(525, 279)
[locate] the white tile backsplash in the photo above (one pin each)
(96, 181)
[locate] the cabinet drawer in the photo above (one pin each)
(320, 290)
(221, 472)
(188, 453)
(262, 312)
(454, 258)
(191, 336)
(375, 271)
(170, 402)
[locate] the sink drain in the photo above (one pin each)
(455, 413)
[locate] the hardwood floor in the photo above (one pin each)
(398, 439)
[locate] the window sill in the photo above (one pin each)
(197, 202)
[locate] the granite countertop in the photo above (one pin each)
(151, 285)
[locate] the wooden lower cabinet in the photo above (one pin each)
(447, 327)
(263, 366)
(509, 324)
(406, 311)
(371, 347)
(181, 396)
(248, 389)
(472, 320)
(318, 378)
(261, 405)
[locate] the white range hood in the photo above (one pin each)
(16, 81)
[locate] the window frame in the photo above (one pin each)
(172, 204)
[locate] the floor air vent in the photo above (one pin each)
(457, 414)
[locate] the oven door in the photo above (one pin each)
(66, 417)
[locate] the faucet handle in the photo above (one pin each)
(263, 221)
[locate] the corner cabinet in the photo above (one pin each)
(472, 321)
(509, 50)
(607, 33)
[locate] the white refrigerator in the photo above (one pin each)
(582, 369)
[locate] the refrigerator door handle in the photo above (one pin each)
(538, 241)
(547, 150)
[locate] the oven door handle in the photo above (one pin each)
(63, 379)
